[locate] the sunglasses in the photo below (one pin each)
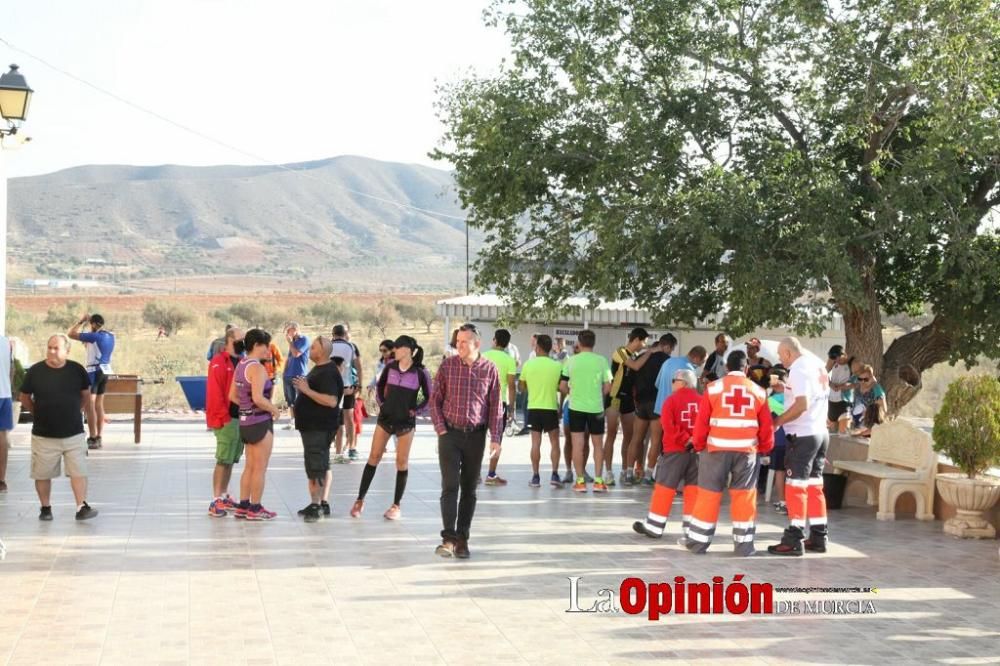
(865, 379)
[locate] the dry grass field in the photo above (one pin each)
(158, 361)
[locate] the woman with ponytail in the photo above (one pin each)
(403, 389)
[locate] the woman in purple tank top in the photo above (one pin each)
(404, 388)
(251, 391)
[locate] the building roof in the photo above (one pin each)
(489, 307)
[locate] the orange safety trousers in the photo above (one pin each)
(672, 470)
(713, 469)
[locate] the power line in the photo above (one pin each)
(219, 142)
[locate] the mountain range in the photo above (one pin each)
(314, 220)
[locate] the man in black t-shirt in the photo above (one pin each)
(645, 406)
(317, 415)
(54, 391)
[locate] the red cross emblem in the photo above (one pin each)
(738, 401)
(689, 413)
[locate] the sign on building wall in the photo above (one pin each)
(569, 335)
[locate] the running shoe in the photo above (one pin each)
(648, 481)
(587, 477)
(45, 513)
(352, 454)
(580, 486)
(288, 426)
(609, 479)
(446, 549)
(3, 486)
(305, 509)
(339, 459)
(216, 509)
(393, 512)
(93, 443)
(311, 514)
(229, 504)
(555, 481)
(359, 506)
(599, 486)
(260, 514)
(628, 480)
(240, 511)
(536, 481)
(781, 508)
(495, 480)
(324, 507)
(569, 478)
(85, 512)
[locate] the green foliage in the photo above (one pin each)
(380, 317)
(18, 379)
(770, 160)
(63, 316)
(170, 316)
(417, 311)
(332, 312)
(253, 315)
(967, 429)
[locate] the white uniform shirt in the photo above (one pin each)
(808, 377)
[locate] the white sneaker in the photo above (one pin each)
(288, 426)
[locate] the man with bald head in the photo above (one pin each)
(54, 391)
(317, 416)
(804, 419)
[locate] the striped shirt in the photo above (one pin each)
(465, 396)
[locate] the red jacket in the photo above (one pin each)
(677, 416)
(734, 416)
(220, 376)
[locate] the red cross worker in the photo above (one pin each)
(677, 463)
(733, 426)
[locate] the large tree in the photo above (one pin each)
(769, 160)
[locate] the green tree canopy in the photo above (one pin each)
(769, 160)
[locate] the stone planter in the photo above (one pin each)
(970, 497)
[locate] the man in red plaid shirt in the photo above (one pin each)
(465, 406)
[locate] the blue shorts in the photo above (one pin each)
(6, 414)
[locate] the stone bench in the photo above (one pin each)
(901, 459)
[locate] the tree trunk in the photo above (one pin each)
(907, 358)
(863, 326)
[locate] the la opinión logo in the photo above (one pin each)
(635, 596)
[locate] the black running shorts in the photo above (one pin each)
(586, 422)
(543, 420)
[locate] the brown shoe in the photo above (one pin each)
(446, 549)
(462, 549)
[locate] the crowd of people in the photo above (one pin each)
(695, 425)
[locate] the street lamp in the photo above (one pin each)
(15, 96)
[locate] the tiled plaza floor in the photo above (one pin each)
(153, 579)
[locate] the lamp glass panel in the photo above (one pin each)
(14, 104)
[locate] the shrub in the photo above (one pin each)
(170, 317)
(424, 313)
(380, 317)
(967, 427)
(328, 313)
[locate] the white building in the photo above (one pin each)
(610, 321)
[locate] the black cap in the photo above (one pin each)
(405, 341)
(638, 333)
(836, 351)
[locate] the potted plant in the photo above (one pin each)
(967, 431)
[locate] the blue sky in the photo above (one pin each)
(288, 81)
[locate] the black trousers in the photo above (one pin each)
(460, 455)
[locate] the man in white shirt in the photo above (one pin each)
(806, 392)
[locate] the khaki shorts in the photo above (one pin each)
(47, 454)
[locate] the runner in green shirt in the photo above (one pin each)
(507, 370)
(540, 377)
(587, 378)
